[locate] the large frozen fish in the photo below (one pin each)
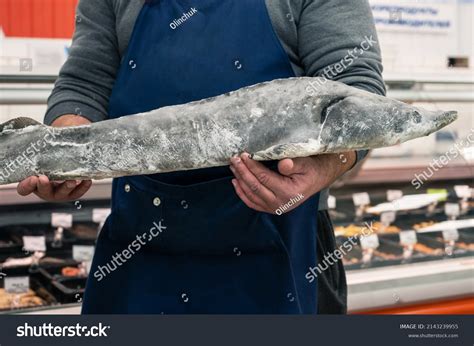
(284, 118)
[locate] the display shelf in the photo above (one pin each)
(41, 217)
(101, 189)
(397, 287)
(452, 76)
(458, 306)
(384, 171)
(30, 78)
(370, 289)
(67, 309)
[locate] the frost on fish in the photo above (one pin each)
(272, 120)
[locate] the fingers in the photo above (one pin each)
(265, 190)
(290, 167)
(250, 184)
(27, 186)
(251, 196)
(81, 189)
(243, 196)
(285, 167)
(268, 178)
(60, 191)
(44, 188)
(63, 191)
(254, 198)
(53, 191)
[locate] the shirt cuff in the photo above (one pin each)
(360, 155)
(76, 108)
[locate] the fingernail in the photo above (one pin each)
(232, 169)
(234, 182)
(245, 156)
(70, 184)
(236, 160)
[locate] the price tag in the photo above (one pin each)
(82, 253)
(99, 215)
(443, 193)
(393, 195)
(17, 284)
(61, 220)
(408, 238)
(369, 242)
(34, 243)
(361, 198)
(463, 191)
(332, 202)
(386, 218)
(451, 234)
(452, 209)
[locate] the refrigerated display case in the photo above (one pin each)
(430, 266)
(406, 257)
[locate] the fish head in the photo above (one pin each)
(362, 120)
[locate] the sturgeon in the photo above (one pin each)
(284, 118)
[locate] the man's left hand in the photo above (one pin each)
(265, 190)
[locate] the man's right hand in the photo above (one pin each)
(53, 191)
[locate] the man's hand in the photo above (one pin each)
(265, 190)
(69, 190)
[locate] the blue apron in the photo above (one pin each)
(201, 249)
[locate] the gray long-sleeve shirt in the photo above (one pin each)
(331, 38)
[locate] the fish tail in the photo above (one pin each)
(15, 162)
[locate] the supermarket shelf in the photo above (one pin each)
(431, 96)
(29, 78)
(406, 173)
(393, 288)
(463, 306)
(68, 309)
(101, 190)
(407, 284)
(461, 76)
(24, 96)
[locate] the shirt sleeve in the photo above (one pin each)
(337, 40)
(86, 79)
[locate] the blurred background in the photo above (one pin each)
(419, 258)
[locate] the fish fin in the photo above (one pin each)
(18, 123)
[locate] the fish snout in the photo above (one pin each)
(444, 118)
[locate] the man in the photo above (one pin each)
(218, 243)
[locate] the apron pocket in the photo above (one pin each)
(206, 218)
(136, 213)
